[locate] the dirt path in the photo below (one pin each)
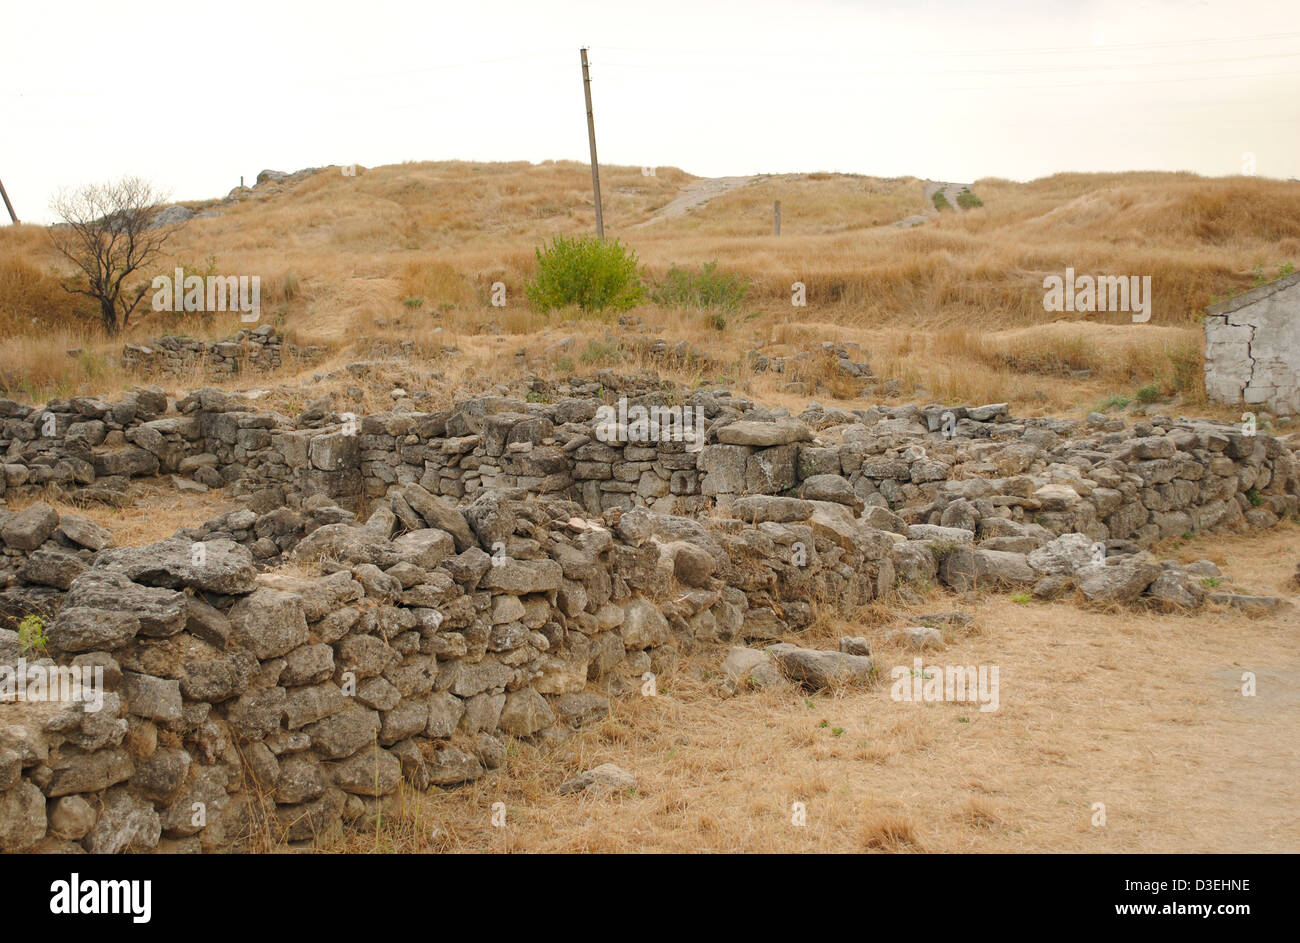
(697, 193)
(701, 191)
(950, 192)
(930, 188)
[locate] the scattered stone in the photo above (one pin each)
(604, 779)
(820, 669)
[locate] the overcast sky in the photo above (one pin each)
(193, 97)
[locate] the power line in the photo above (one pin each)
(1018, 50)
(9, 206)
(591, 138)
(331, 79)
(767, 67)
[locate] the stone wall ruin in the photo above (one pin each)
(505, 567)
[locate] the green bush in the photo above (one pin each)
(31, 635)
(594, 274)
(705, 288)
(967, 200)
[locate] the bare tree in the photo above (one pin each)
(111, 231)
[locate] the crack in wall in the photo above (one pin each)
(1250, 354)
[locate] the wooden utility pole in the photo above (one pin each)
(591, 137)
(9, 206)
(776, 218)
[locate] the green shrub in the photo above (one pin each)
(705, 288)
(967, 200)
(1148, 394)
(594, 274)
(940, 201)
(31, 635)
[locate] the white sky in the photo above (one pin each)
(193, 97)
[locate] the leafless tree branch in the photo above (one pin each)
(110, 232)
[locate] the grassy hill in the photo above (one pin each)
(952, 306)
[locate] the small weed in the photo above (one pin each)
(602, 353)
(31, 635)
(941, 549)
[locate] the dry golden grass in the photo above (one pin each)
(159, 513)
(1138, 710)
(953, 307)
(1134, 709)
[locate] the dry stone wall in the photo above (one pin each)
(237, 706)
(504, 568)
(1158, 478)
(261, 348)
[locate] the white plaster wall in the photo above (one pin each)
(1252, 348)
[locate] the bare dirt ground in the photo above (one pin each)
(697, 193)
(1140, 711)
